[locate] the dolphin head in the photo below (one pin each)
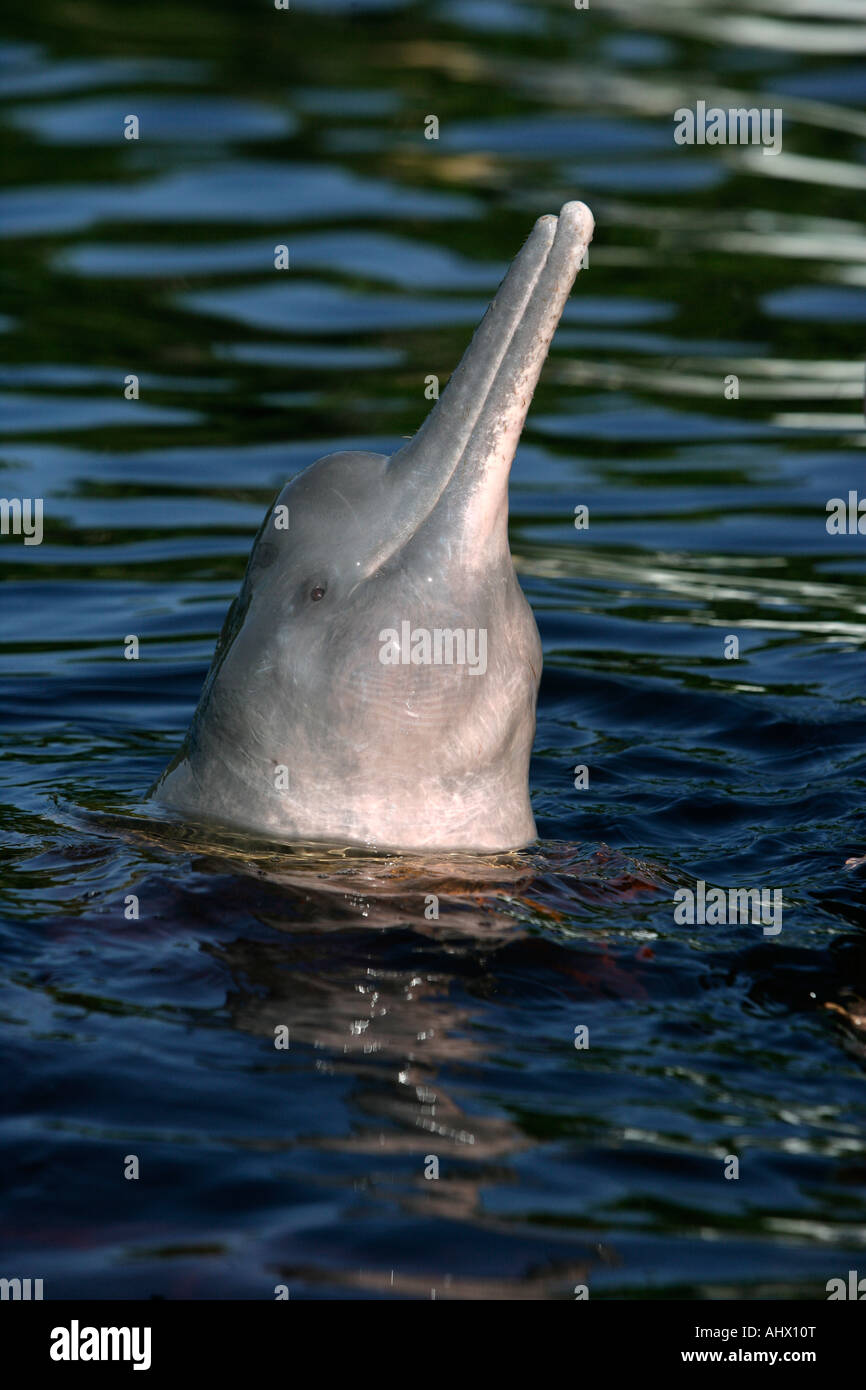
(376, 677)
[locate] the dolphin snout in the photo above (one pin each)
(544, 273)
(466, 445)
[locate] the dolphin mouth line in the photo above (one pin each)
(470, 437)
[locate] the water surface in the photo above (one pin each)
(412, 1038)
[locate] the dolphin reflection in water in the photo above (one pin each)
(382, 997)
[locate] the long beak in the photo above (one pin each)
(464, 450)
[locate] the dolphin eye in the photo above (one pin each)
(317, 592)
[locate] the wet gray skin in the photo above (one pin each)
(303, 731)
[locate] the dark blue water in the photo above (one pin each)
(413, 1039)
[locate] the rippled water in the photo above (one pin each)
(455, 1038)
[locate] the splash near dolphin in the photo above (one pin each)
(376, 678)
